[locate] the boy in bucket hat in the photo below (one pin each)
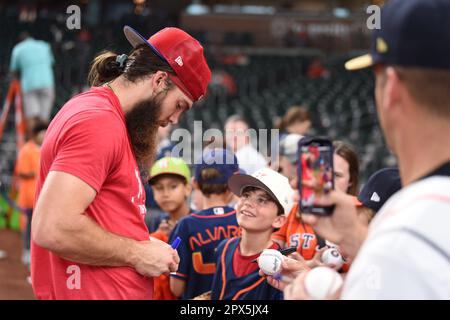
(265, 200)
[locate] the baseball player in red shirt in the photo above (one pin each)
(89, 239)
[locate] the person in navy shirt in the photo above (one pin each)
(265, 200)
(202, 232)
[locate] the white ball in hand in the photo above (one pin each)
(332, 258)
(270, 261)
(322, 283)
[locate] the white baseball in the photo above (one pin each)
(332, 258)
(322, 283)
(270, 261)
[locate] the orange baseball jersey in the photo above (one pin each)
(28, 162)
(295, 233)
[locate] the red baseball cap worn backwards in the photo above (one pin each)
(183, 53)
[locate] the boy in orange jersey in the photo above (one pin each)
(27, 170)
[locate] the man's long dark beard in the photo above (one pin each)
(142, 124)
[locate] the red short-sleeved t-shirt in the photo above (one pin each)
(88, 139)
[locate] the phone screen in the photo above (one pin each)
(316, 175)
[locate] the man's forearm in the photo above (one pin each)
(84, 241)
(352, 243)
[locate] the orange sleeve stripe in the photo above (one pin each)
(257, 283)
(224, 273)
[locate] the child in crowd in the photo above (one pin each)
(201, 232)
(265, 199)
(170, 181)
(378, 189)
(27, 171)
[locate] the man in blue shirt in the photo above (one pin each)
(33, 60)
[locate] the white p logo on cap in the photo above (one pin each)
(179, 61)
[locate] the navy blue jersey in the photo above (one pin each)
(228, 286)
(200, 235)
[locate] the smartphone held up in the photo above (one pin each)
(315, 173)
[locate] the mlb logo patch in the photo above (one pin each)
(218, 211)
